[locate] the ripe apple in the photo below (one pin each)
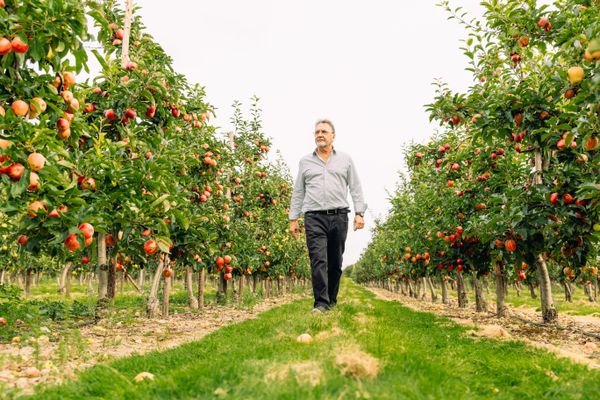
(167, 272)
(523, 41)
(36, 161)
(18, 46)
(35, 207)
(567, 198)
(2, 319)
(575, 75)
(63, 124)
(5, 46)
(455, 167)
(37, 105)
(450, 183)
(20, 108)
(72, 242)
(89, 107)
(110, 240)
(22, 240)
(227, 259)
(110, 115)
(119, 34)
(34, 182)
(54, 213)
(150, 247)
(592, 143)
(68, 79)
(510, 245)
(87, 229)
(554, 198)
(569, 93)
(147, 232)
(518, 118)
(130, 114)
(4, 144)
(85, 260)
(15, 171)
(151, 111)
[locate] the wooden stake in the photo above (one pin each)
(127, 32)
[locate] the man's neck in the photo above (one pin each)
(324, 152)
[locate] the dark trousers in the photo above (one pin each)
(326, 241)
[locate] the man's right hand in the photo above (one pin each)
(294, 230)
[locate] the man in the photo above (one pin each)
(321, 192)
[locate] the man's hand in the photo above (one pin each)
(294, 230)
(359, 222)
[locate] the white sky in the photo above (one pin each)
(367, 66)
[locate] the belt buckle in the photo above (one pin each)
(331, 212)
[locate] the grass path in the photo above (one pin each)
(396, 352)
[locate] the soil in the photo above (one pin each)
(58, 356)
(567, 339)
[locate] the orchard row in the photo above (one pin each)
(123, 170)
(510, 185)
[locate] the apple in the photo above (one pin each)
(85, 260)
(510, 245)
(37, 105)
(22, 240)
(34, 182)
(68, 79)
(54, 213)
(227, 259)
(590, 145)
(518, 118)
(119, 34)
(227, 276)
(554, 198)
(455, 167)
(131, 65)
(5, 46)
(130, 114)
(36, 161)
(20, 108)
(167, 272)
(450, 183)
(15, 171)
(151, 111)
(515, 57)
(110, 240)
(575, 75)
(4, 144)
(89, 107)
(35, 207)
(220, 261)
(523, 41)
(147, 232)
(150, 247)
(18, 46)
(87, 229)
(2, 319)
(63, 124)
(72, 242)
(569, 93)
(567, 198)
(110, 115)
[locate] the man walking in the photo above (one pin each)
(321, 192)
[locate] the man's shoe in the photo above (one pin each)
(319, 310)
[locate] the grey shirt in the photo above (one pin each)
(324, 185)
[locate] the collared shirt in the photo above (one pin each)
(323, 185)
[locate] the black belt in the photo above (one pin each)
(330, 212)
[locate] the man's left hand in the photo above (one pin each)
(359, 222)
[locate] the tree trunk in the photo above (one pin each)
(568, 292)
(518, 288)
(189, 284)
(112, 278)
(63, 279)
(549, 312)
(431, 289)
(20, 280)
(90, 282)
(500, 281)
(201, 285)
(480, 300)
(241, 290)
(444, 286)
(221, 288)
(531, 290)
(141, 278)
(588, 291)
(153, 305)
(166, 292)
(461, 291)
(102, 269)
(254, 282)
(2, 273)
(28, 279)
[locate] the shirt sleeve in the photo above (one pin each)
(356, 189)
(297, 195)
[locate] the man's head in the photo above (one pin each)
(324, 133)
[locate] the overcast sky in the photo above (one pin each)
(367, 66)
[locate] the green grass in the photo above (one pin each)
(422, 356)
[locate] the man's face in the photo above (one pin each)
(323, 135)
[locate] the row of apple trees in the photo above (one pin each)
(511, 183)
(123, 171)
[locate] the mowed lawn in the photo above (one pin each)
(364, 348)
